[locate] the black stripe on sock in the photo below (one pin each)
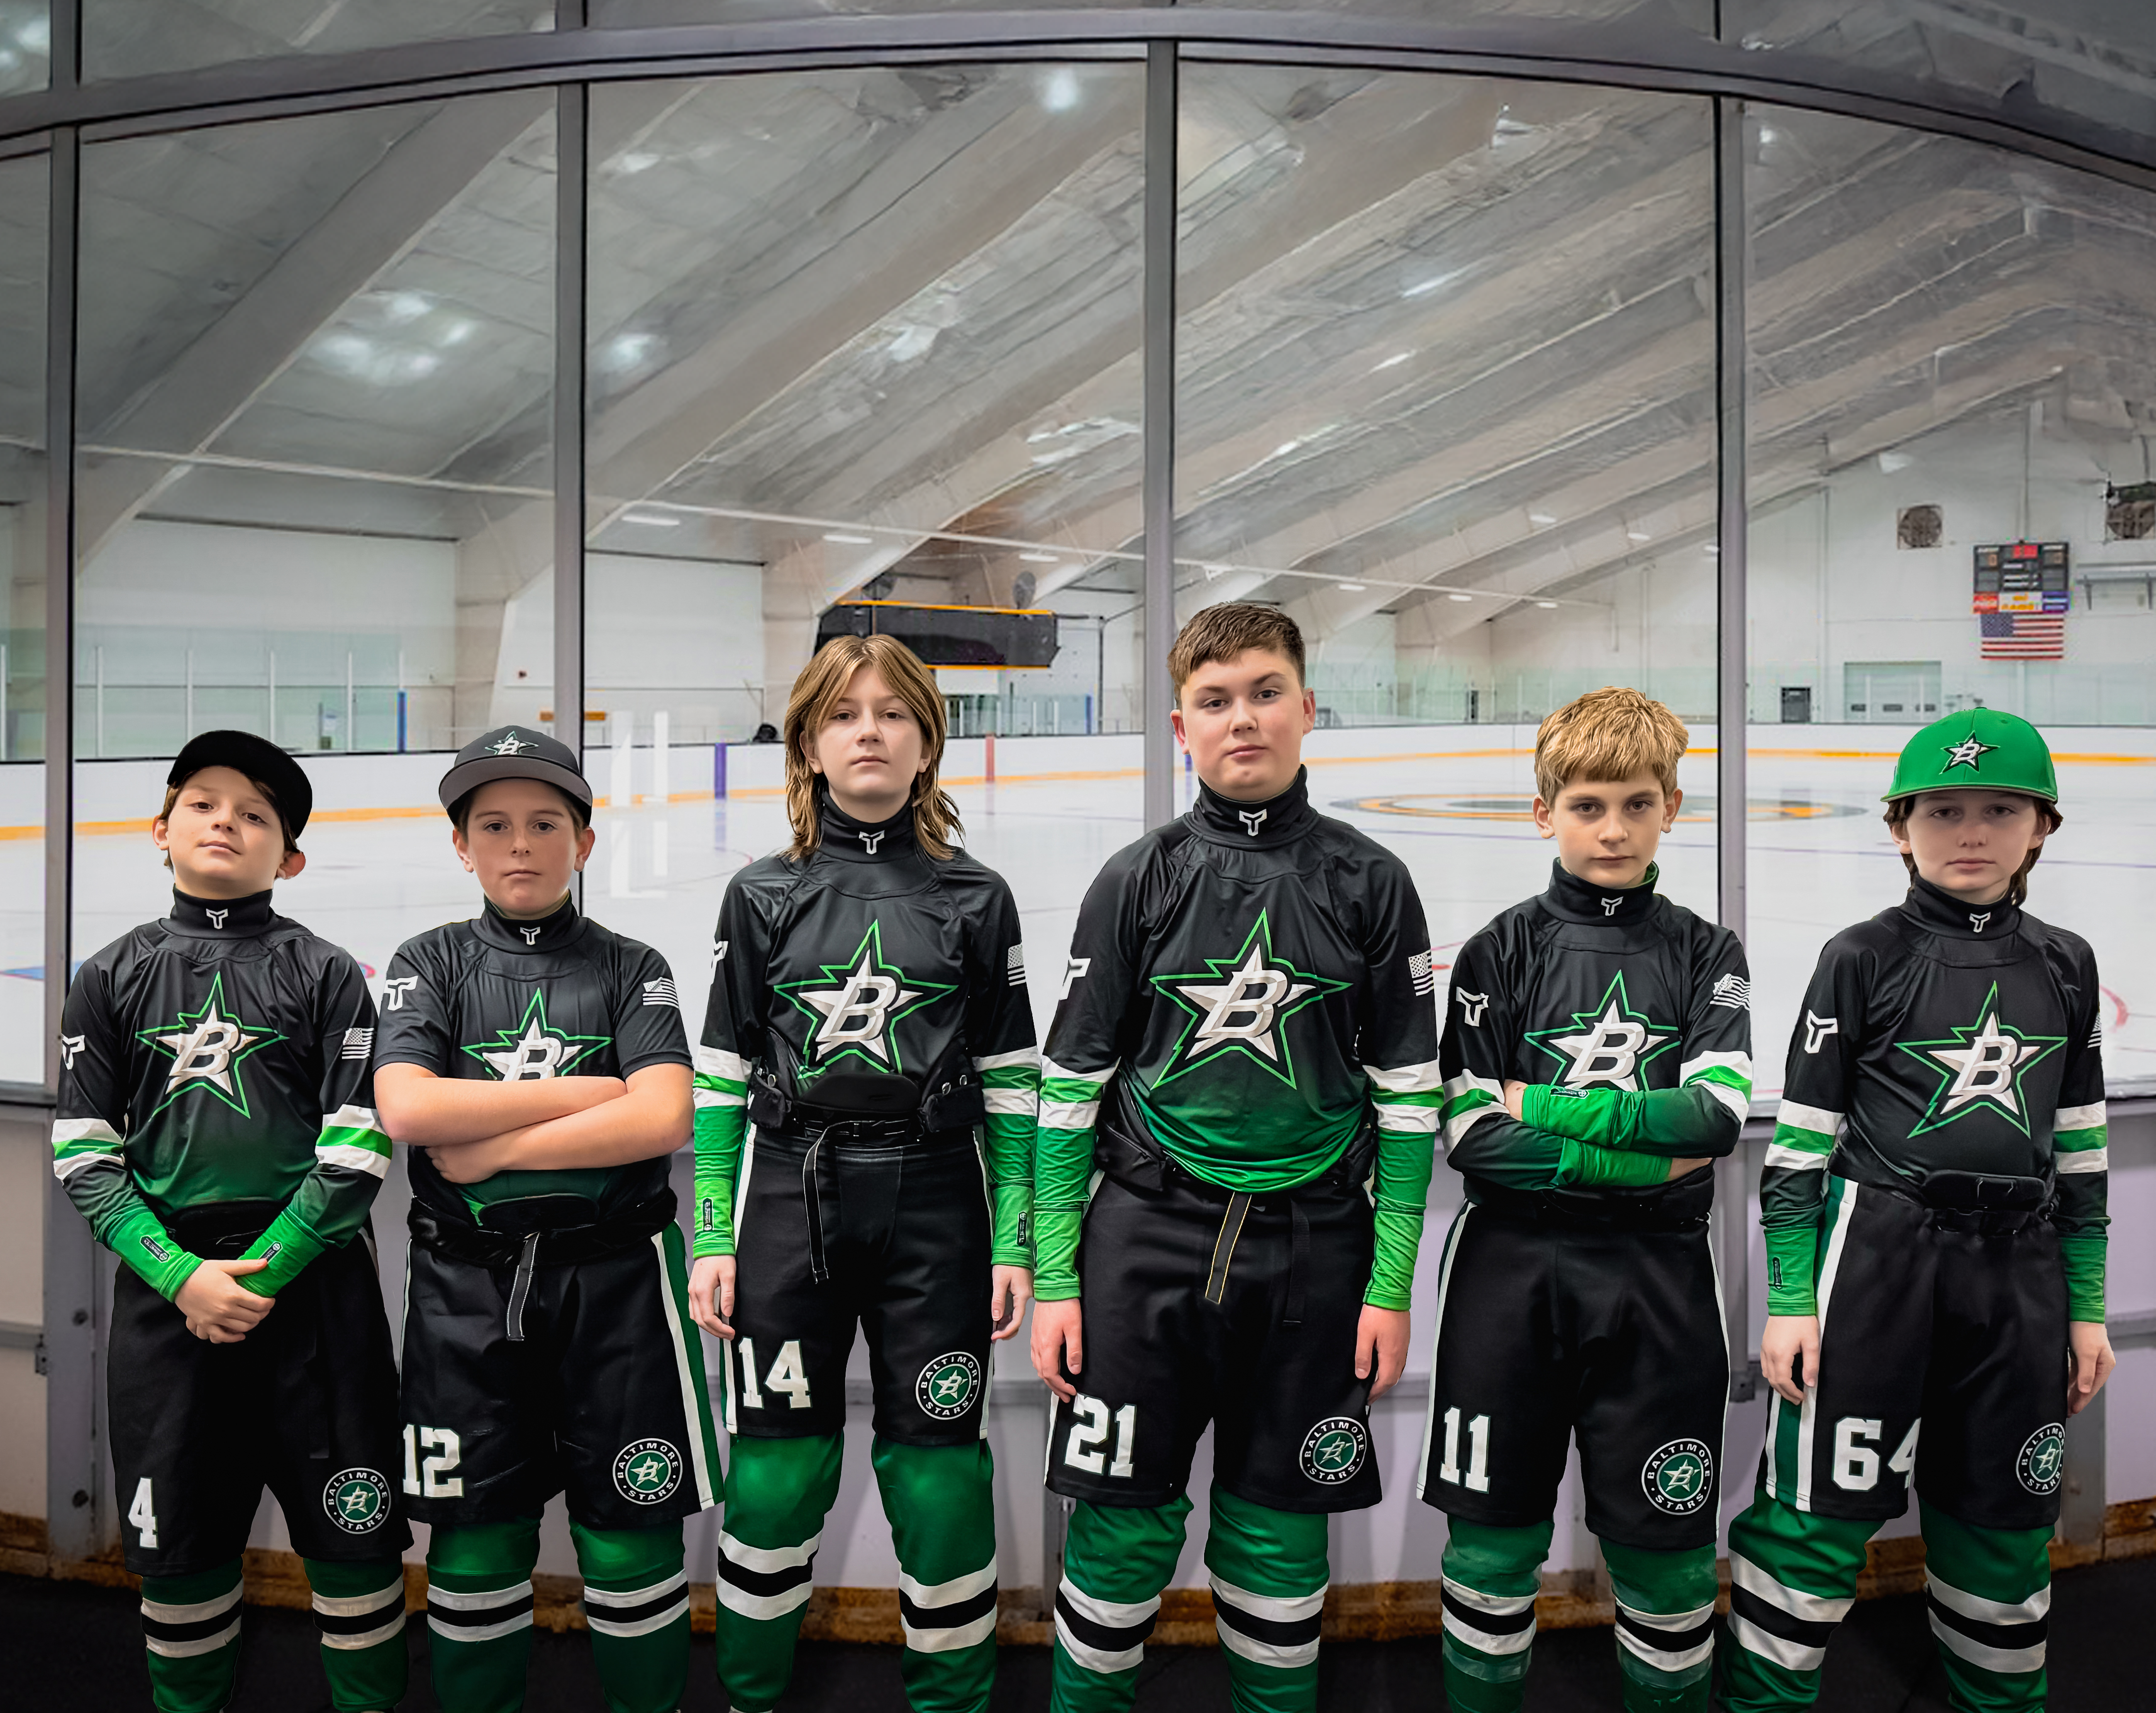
(1102, 1638)
(1289, 1633)
(958, 1612)
(156, 1629)
(479, 1619)
(765, 1583)
(1668, 1641)
(675, 1596)
(1992, 1635)
(360, 1623)
(1804, 1632)
(1494, 1623)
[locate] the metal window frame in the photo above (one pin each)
(573, 56)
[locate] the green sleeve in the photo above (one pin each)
(1484, 1140)
(2083, 1255)
(721, 1097)
(1063, 1173)
(1792, 1194)
(1011, 1087)
(103, 1189)
(1408, 1102)
(1702, 1118)
(1588, 1166)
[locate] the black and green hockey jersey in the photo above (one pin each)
(1258, 976)
(221, 1054)
(495, 999)
(1942, 1036)
(869, 955)
(1629, 1020)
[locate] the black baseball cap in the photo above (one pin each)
(514, 752)
(260, 760)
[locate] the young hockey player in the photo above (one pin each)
(538, 1065)
(1597, 1055)
(1936, 1181)
(868, 1013)
(216, 1128)
(1246, 1051)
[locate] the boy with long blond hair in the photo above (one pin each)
(1597, 1054)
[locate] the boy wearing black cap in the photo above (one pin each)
(538, 1065)
(216, 1127)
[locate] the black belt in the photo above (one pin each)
(1680, 1205)
(820, 1133)
(222, 1231)
(538, 1244)
(1983, 1204)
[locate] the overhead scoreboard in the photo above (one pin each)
(2022, 577)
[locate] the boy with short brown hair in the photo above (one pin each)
(1597, 1055)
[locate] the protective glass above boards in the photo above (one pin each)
(138, 38)
(26, 46)
(640, 14)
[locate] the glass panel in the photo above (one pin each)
(24, 185)
(865, 334)
(1949, 353)
(1692, 16)
(26, 45)
(313, 479)
(1446, 392)
(630, 14)
(133, 38)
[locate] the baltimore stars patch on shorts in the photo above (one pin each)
(1291, 1421)
(602, 1399)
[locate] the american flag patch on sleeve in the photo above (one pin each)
(1014, 965)
(661, 993)
(1734, 991)
(358, 1043)
(1420, 973)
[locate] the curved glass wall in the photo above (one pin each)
(24, 210)
(133, 38)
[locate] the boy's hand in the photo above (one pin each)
(219, 1309)
(1059, 1341)
(1515, 1094)
(1010, 1288)
(2093, 1362)
(711, 1294)
(1793, 1338)
(474, 1162)
(1678, 1168)
(1381, 1348)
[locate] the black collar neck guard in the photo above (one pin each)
(220, 917)
(1940, 912)
(1576, 901)
(1262, 825)
(546, 933)
(863, 841)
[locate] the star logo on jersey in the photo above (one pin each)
(205, 1048)
(856, 1005)
(1980, 1069)
(1335, 1450)
(1242, 1003)
(510, 744)
(2043, 1460)
(1679, 1478)
(356, 1501)
(533, 1050)
(1966, 753)
(948, 1387)
(1608, 1045)
(647, 1471)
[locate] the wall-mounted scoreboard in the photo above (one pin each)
(2022, 577)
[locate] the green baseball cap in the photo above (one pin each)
(1979, 748)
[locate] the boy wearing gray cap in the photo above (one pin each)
(537, 1064)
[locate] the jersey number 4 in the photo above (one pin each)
(1086, 1448)
(143, 1512)
(429, 1477)
(789, 1374)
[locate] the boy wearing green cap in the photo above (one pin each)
(1933, 1207)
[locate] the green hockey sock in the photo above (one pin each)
(191, 1626)
(941, 1501)
(777, 1494)
(1665, 1625)
(1116, 1561)
(636, 1601)
(359, 1609)
(1268, 1573)
(1989, 1591)
(1491, 1576)
(478, 1614)
(1792, 1579)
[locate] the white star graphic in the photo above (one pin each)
(1610, 1052)
(205, 1052)
(1983, 1069)
(1965, 754)
(858, 1015)
(511, 745)
(1243, 1007)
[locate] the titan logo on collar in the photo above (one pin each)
(532, 935)
(1611, 906)
(217, 918)
(1977, 919)
(1252, 819)
(870, 840)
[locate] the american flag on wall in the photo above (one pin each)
(2022, 636)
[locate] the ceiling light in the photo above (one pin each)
(1039, 558)
(1711, 551)
(636, 160)
(1286, 447)
(852, 541)
(1392, 361)
(36, 34)
(1542, 518)
(625, 350)
(1423, 288)
(1549, 605)
(1059, 89)
(1212, 571)
(651, 520)
(455, 332)
(1894, 463)
(910, 342)
(1352, 588)
(1768, 134)
(1460, 596)
(406, 305)
(1637, 535)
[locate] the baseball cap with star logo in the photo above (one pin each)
(1979, 748)
(513, 752)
